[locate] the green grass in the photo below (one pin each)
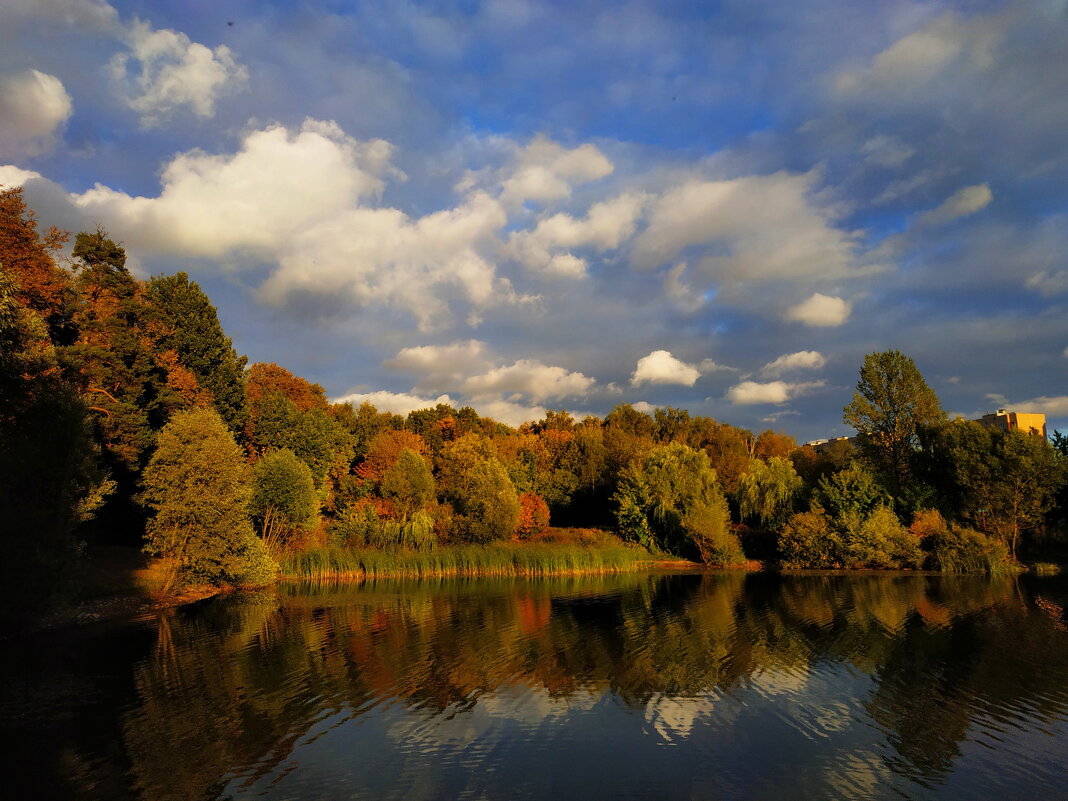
(497, 559)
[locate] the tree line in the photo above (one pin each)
(127, 416)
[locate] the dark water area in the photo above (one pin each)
(719, 686)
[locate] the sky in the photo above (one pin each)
(518, 205)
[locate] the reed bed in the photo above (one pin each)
(497, 560)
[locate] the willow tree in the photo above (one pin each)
(769, 491)
(890, 407)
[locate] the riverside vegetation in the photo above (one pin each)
(127, 417)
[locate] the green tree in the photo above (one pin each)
(671, 501)
(408, 485)
(283, 497)
(190, 327)
(488, 506)
(1005, 481)
(852, 491)
(891, 405)
(197, 486)
(769, 491)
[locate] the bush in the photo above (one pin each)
(881, 541)
(807, 540)
(958, 549)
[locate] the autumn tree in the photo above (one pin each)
(891, 405)
(408, 485)
(189, 326)
(28, 257)
(197, 486)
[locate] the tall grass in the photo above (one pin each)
(496, 559)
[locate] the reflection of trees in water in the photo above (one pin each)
(238, 682)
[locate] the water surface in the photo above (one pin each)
(643, 686)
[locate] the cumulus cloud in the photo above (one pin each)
(33, 107)
(298, 198)
(507, 412)
(660, 367)
(529, 377)
(820, 311)
(546, 171)
(393, 402)
(442, 365)
(749, 393)
(802, 360)
(961, 203)
(164, 71)
(645, 406)
(12, 176)
(1056, 406)
(757, 228)
(605, 226)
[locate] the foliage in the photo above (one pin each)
(533, 515)
(408, 485)
(1003, 482)
(198, 488)
(769, 491)
(957, 549)
(486, 503)
(891, 404)
(880, 541)
(190, 328)
(671, 501)
(807, 540)
(853, 490)
(283, 497)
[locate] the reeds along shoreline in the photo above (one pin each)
(497, 559)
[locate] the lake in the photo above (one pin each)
(719, 686)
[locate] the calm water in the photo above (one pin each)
(647, 686)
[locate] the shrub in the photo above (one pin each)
(807, 540)
(881, 541)
(928, 524)
(958, 549)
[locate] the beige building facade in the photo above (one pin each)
(1028, 422)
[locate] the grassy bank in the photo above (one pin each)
(497, 559)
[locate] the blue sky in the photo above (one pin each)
(520, 205)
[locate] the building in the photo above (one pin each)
(824, 445)
(1027, 422)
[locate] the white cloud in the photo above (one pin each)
(546, 171)
(886, 151)
(660, 367)
(296, 198)
(394, 402)
(645, 407)
(277, 184)
(606, 225)
(507, 412)
(759, 228)
(749, 393)
(529, 377)
(678, 291)
(802, 360)
(33, 106)
(165, 71)
(821, 311)
(1050, 406)
(440, 365)
(1048, 283)
(83, 14)
(12, 176)
(961, 203)
(916, 59)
